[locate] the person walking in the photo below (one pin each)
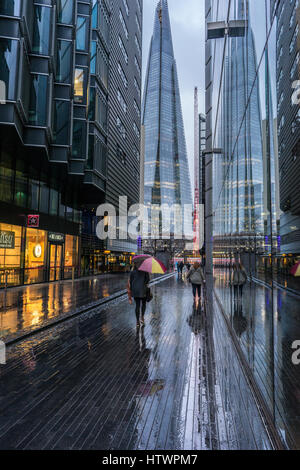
(137, 288)
(239, 279)
(196, 277)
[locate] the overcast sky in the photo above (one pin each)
(188, 31)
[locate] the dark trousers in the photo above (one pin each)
(138, 303)
(238, 290)
(196, 288)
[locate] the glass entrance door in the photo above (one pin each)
(55, 262)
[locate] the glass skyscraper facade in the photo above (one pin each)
(252, 56)
(166, 172)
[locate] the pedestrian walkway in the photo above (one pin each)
(28, 308)
(96, 382)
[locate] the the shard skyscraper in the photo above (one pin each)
(166, 171)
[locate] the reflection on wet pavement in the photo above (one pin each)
(266, 323)
(99, 383)
(30, 307)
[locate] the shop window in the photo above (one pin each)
(71, 255)
(35, 256)
(10, 254)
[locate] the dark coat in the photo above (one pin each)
(138, 283)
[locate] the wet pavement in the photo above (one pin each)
(96, 382)
(28, 308)
(266, 323)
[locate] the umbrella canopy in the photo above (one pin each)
(138, 259)
(295, 271)
(153, 266)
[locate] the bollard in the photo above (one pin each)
(73, 274)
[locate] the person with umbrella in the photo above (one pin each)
(138, 283)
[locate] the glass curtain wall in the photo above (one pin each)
(246, 65)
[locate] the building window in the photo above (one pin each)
(139, 5)
(137, 65)
(126, 7)
(79, 85)
(122, 101)
(95, 14)
(93, 57)
(136, 152)
(137, 87)
(103, 22)
(137, 108)
(61, 123)
(136, 130)
(121, 128)
(10, 7)
(65, 11)
(294, 39)
(122, 47)
(137, 44)
(10, 257)
(123, 24)
(122, 75)
(35, 255)
(81, 33)
(41, 29)
(138, 24)
(79, 139)
(101, 110)
(63, 61)
(295, 65)
(38, 100)
(8, 65)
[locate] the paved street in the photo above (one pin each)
(30, 307)
(95, 382)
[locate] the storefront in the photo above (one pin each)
(30, 256)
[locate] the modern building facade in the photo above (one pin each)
(245, 183)
(288, 59)
(166, 172)
(57, 150)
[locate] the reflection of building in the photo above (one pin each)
(288, 60)
(202, 147)
(166, 172)
(60, 155)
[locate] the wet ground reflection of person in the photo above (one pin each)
(195, 320)
(239, 322)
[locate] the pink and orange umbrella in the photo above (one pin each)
(295, 271)
(150, 265)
